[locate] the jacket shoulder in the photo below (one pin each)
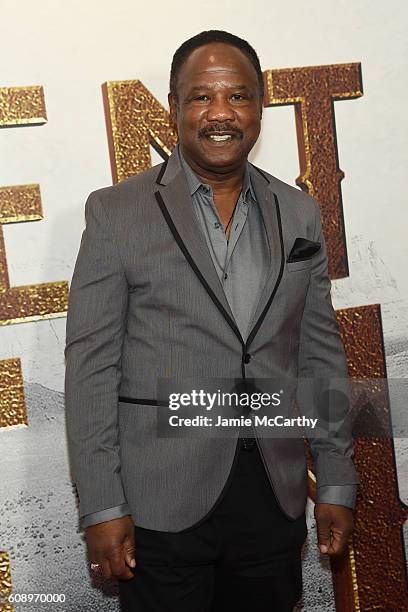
(292, 196)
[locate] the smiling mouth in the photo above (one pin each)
(219, 137)
(221, 133)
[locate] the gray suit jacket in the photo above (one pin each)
(146, 303)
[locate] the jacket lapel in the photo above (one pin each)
(174, 199)
(269, 205)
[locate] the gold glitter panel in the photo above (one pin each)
(5, 582)
(22, 106)
(12, 402)
(135, 120)
(20, 203)
(33, 302)
(312, 90)
(26, 302)
(374, 574)
(4, 278)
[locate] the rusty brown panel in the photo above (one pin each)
(378, 578)
(312, 91)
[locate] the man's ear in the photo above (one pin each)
(173, 107)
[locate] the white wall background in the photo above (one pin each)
(71, 48)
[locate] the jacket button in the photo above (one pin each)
(247, 358)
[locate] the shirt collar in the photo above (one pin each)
(194, 183)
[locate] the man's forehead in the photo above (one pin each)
(219, 64)
(218, 68)
(198, 85)
(213, 78)
(217, 56)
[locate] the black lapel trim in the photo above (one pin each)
(262, 173)
(134, 400)
(192, 263)
(162, 171)
(278, 280)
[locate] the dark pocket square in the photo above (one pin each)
(303, 249)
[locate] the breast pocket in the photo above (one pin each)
(295, 266)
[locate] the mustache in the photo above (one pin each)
(220, 127)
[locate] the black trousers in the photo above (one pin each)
(246, 555)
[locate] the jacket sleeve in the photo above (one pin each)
(322, 362)
(96, 323)
(105, 515)
(344, 495)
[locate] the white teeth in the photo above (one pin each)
(219, 138)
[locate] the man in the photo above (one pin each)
(201, 266)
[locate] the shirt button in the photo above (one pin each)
(247, 358)
(217, 224)
(225, 276)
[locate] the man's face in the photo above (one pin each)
(218, 108)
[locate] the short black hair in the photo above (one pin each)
(211, 36)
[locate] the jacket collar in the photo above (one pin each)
(174, 195)
(194, 182)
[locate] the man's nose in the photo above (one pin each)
(220, 110)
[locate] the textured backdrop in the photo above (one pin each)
(336, 104)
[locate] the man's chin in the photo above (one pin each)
(222, 157)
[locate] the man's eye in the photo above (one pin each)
(202, 98)
(237, 97)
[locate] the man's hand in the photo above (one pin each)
(112, 545)
(334, 526)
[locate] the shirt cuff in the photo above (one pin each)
(105, 515)
(343, 495)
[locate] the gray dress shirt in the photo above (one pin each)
(241, 265)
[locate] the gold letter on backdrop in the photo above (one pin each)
(135, 120)
(373, 577)
(22, 106)
(372, 574)
(313, 90)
